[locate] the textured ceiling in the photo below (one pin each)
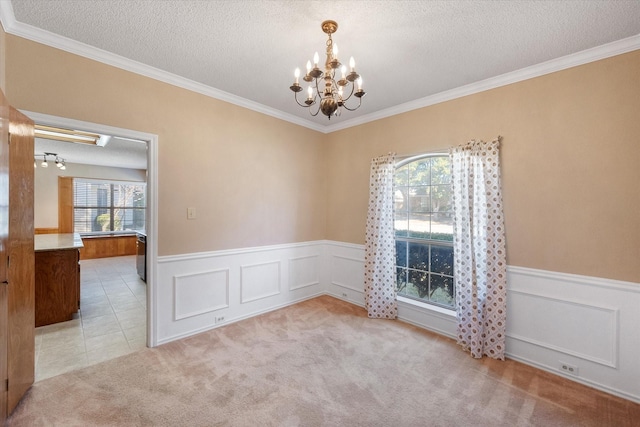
(404, 50)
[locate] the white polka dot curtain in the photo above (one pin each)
(479, 248)
(380, 247)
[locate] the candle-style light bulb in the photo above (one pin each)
(344, 71)
(352, 64)
(316, 58)
(359, 83)
(340, 92)
(310, 92)
(297, 74)
(335, 50)
(308, 67)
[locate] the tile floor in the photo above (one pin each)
(111, 321)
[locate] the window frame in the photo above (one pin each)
(416, 301)
(111, 208)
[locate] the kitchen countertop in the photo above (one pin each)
(52, 242)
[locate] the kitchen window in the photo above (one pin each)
(423, 222)
(101, 206)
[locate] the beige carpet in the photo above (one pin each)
(317, 363)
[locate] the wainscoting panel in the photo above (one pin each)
(347, 272)
(557, 319)
(304, 271)
(199, 293)
(259, 281)
(586, 331)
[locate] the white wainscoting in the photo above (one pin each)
(588, 322)
(197, 292)
(304, 271)
(258, 281)
(553, 318)
(200, 293)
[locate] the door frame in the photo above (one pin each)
(152, 200)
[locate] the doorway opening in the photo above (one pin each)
(116, 309)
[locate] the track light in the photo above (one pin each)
(60, 162)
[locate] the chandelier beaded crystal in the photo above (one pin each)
(331, 97)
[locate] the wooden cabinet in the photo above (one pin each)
(57, 286)
(57, 277)
(107, 246)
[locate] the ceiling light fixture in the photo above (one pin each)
(68, 135)
(60, 162)
(331, 98)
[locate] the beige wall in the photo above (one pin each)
(570, 165)
(570, 158)
(45, 203)
(253, 179)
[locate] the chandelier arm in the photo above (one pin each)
(295, 95)
(351, 93)
(355, 108)
(317, 111)
(316, 101)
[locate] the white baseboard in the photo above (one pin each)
(236, 319)
(584, 381)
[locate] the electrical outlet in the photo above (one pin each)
(568, 368)
(219, 319)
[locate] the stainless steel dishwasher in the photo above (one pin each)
(141, 257)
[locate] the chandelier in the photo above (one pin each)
(60, 162)
(331, 96)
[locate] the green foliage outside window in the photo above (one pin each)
(108, 206)
(424, 230)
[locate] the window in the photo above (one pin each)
(108, 206)
(424, 230)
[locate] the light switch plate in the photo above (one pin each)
(191, 213)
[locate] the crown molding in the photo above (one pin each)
(7, 18)
(72, 46)
(579, 58)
